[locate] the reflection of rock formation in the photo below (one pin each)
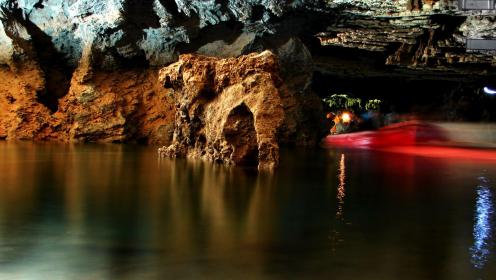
(227, 110)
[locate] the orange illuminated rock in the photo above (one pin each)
(100, 106)
(227, 110)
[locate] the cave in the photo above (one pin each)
(239, 132)
(412, 55)
(248, 139)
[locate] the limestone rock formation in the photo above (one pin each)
(86, 70)
(22, 116)
(100, 106)
(123, 106)
(119, 31)
(227, 110)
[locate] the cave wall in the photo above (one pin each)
(100, 106)
(87, 70)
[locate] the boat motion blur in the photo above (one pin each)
(411, 137)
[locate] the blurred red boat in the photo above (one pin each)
(413, 138)
(409, 133)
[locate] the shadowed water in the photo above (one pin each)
(114, 211)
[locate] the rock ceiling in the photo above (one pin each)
(413, 33)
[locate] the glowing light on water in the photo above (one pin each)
(489, 91)
(483, 223)
(335, 235)
(341, 187)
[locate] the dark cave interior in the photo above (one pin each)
(428, 98)
(432, 95)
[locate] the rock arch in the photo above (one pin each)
(236, 104)
(239, 132)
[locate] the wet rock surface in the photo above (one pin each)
(227, 110)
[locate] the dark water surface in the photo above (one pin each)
(113, 211)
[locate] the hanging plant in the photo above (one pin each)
(373, 105)
(340, 102)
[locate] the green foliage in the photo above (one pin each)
(342, 102)
(338, 102)
(373, 105)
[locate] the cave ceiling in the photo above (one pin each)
(345, 37)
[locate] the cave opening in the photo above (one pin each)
(426, 98)
(239, 131)
(426, 93)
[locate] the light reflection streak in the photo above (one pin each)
(335, 235)
(483, 223)
(341, 188)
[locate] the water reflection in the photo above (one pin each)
(341, 188)
(483, 224)
(336, 236)
(114, 212)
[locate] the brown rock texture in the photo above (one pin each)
(233, 110)
(120, 106)
(22, 116)
(100, 106)
(227, 110)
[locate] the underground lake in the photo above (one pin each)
(247, 139)
(118, 212)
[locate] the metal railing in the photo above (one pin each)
(476, 4)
